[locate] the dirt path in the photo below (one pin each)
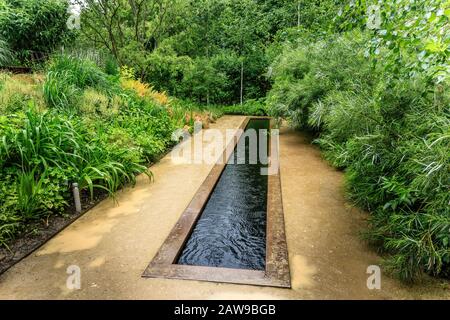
(112, 244)
(328, 258)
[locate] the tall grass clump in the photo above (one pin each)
(81, 73)
(16, 91)
(67, 77)
(6, 54)
(391, 135)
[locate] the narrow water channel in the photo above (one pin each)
(231, 231)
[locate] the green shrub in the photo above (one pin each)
(10, 220)
(250, 107)
(68, 75)
(94, 102)
(51, 151)
(303, 76)
(391, 135)
(205, 83)
(33, 28)
(111, 66)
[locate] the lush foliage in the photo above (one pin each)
(211, 51)
(371, 78)
(249, 108)
(386, 121)
(76, 125)
(413, 36)
(34, 28)
(5, 52)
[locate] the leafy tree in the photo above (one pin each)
(243, 31)
(166, 41)
(413, 33)
(123, 27)
(34, 28)
(205, 83)
(164, 69)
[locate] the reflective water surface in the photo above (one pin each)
(231, 231)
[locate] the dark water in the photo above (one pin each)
(231, 231)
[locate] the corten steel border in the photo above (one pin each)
(276, 273)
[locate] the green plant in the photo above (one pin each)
(250, 107)
(59, 92)
(388, 130)
(94, 102)
(30, 192)
(33, 28)
(10, 220)
(80, 72)
(411, 35)
(16, 92)
(68, 76)
(111, 66)
(5, 53)
(304, 75)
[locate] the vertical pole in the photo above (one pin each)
(242, 82)
(207, 52)
(76, 197)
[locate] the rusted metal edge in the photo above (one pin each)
(276, 273)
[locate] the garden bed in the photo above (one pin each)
(38, 233)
